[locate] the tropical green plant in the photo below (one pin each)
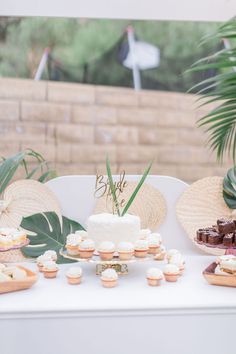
(220, 123)
(46, 232)
(229, 188)
(10, 165)
(133, 195)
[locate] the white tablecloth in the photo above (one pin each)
(133, 317)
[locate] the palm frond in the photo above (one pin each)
(220, 123)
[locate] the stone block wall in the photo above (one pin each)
(75, 126)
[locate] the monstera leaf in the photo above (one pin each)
(46, 232)
(229, 188)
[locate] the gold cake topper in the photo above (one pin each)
(103, 189)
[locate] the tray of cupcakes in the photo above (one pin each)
(83, 249)
(222, 235)
(222, 272)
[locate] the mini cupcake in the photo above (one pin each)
(125, 250)
(106, 250)
(154, 276)
(86, 248)
(51, 254)
(50, 269)
(141, 248)
(144, 233)
(109, 278)
(171, 272)
(72, 244)
(161, 255)
(74, 275)
(154, 242)
(41, 260)
(82, 233)
(171, 253)
(178, 260)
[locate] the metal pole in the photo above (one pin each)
(42, 64)
(135, 68)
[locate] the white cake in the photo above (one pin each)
(109, 227)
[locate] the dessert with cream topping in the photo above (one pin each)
(161, 254)
(109, 278)
(72, 244)
(171, 272)
(141, 248)
(154, 242)
(12, 238)
(106, 250)
(144, 233)
(125, 250)
(171, 253)
(51, 254)
(86, 248)
(178, 260)
(154, 276)
(74, 275)
(50, 269)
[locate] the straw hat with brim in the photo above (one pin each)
(149, 205)
(21, 199)
(200, 206)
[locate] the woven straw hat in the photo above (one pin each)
(20, 199)
(200, 206)
(149, 205)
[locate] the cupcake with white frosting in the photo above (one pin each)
(178, 260)
(86, 248)
(161, 254)
(106, 250)
(154, 242)
(41, 260)
(171, 272)
(51, 254)
(144, 233)
(125, 250)
(154, 276)
(72, 244)
(82, 233)
(50, 269)
(109, 278)
(74, 275)
(171, 253)
(141, 248)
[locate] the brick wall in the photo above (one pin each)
(76, 126)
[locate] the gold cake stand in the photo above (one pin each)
(120, 266)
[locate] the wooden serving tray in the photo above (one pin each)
(218, 279)
(15, 285)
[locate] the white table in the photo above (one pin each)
(186, 317)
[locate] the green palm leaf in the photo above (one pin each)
(10, 165)
(229, 188)
(46, 232)
(220, 123)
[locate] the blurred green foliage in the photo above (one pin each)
(77, 41)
